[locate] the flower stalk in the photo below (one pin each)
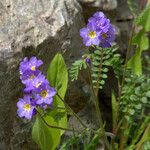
(55, 127)
(70, 109)
(95, 96)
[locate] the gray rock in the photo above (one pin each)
(105, 5)
(41, 28)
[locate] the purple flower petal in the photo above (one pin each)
(31, 64)
(84, 32)
(25, 108)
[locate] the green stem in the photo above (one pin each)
(140, 130)
(70, 109)
(127, 54)
(123, 138)
(98, 110)
(55, 127)
(101, 121)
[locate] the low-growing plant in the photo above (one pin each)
(44, 96)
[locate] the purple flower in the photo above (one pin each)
(45, 94)
(99, 31)
(31, 64)
(88, 60)
(90, 35)
(102, 24)
(108, 37)
(33, 85)
(99, 14)
(29, 76)
(25, 107)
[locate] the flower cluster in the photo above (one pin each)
(99, 31)
(37, 91)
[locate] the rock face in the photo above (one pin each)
(29, 27)
(101, 4)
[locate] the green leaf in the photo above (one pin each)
(102, 82)
(96, 63)
(104, 76)
(94, 75)
(148, 94)
(146, 145)
(115, 110)
(141, 40)
(144, 100)
(135, 63)
(144, 138)
(58, 75)
(105, 70)
(144, 45)
(95, 69)
(131, 111)
(76, 67)
(47, 138)
(144, 19)
(98, 52)
(140, 130)
(139, 106)
(93, 143)
(127, 118)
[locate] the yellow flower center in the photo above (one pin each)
(27, 107)
(33, 68)
(37, 85)
(92, 34)
(104, 36)
(32, 77)
(44, 94)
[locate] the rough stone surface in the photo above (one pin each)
(102, 4)
(41, 28)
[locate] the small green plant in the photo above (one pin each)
(44, 97)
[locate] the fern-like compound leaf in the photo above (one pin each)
(102, 60)
(76, 67)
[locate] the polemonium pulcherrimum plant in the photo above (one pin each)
(44, 97)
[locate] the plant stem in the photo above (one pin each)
(97, 105)
(101, 121)
(70, 109)
(56, 127)
(98, 110)
(123, 138)
(127, 54)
